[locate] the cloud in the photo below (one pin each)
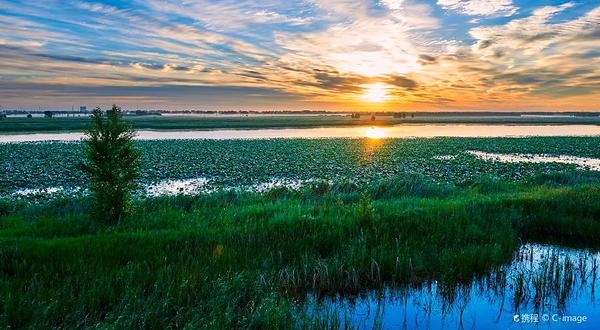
(267, 16)
(227, 15)
(366, 40)
(528, 63)
(401, 81)
(411, 13)
(480, 7)
(535, 33)
(312, 53)
(353, 9)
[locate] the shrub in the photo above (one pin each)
(111, 163)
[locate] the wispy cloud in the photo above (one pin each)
(480, 7)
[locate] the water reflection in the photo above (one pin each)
(170, 187)
(544, 286)
(397, 131)
(374, 133)
(174, 187)
(591, 164)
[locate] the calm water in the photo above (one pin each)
(592, 164)
(492, 302)
(170, 187)
(398, 131)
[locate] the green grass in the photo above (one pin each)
(247, 260)
(12, 125)
(75, 124)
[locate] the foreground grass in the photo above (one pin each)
(245, 260)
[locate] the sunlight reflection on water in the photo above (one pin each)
(397, 131)
(591, 164)
(171, 187)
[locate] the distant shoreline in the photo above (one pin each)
(24, 125)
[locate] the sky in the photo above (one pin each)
(345, 55)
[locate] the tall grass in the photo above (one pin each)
(247, 260)
(550, 280)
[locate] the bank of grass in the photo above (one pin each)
(246, 260)
(77, 124)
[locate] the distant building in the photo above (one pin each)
(83, 109)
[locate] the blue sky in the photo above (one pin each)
(301, 54)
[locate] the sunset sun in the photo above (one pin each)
(375, 93)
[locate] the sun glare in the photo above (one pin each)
(374, 133)
(375, 92)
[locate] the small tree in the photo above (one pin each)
(111, 163)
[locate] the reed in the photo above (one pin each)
(248, 260)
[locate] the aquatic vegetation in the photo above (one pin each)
(246, 163)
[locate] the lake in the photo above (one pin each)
(544, 286)
(397, 131)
